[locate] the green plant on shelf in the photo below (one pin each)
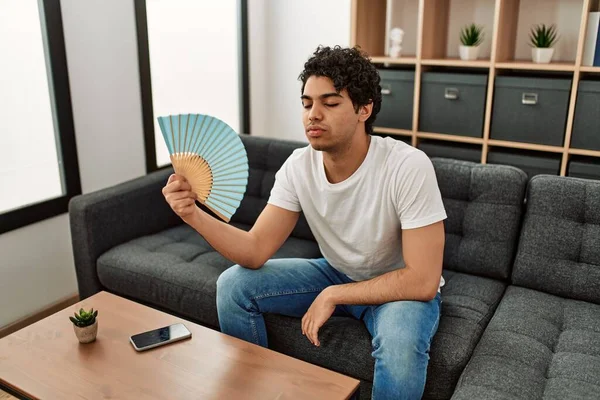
(471, 35)
(542, 36)
(84, 318)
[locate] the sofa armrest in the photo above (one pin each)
(108, 217)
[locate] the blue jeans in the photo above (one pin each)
(401, 331)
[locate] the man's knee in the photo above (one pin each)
(400, 347)
(233, 283)
(405, 330)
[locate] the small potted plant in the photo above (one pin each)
(471, 37)
(542, 38)
(85, 325)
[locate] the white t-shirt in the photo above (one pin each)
(358, 222)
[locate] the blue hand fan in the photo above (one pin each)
(211, 156)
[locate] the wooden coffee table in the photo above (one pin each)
(45, 361)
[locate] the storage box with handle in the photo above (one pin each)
(531, 110)
(452, 103)
(397, 99)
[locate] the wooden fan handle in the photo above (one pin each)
(224, 218)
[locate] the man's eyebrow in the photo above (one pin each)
(323, 96)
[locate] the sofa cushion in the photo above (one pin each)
(559, 249)
(177, 270)
(265, 157)
(468, 303)
(484, 204)
(536, 346)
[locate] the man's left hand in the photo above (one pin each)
(319, 312)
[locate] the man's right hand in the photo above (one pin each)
(179, 195)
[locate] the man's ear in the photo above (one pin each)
(364, 112)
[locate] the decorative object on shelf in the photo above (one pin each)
(85, 325)
(210, 155)
(471, 37)
(542, 38)
(396, 37)
(591, 48)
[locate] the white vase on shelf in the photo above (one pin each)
(468, 53)
(542, 55)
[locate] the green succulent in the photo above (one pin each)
(84, 318)
(543, 36)
(471, 35)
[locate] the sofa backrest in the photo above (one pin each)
(484, 204)
(265, 157)
(559, 247)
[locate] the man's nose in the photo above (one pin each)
(315, 113)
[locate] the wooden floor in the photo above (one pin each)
(6, 396)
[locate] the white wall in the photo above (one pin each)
(101, 42)
(36, 263)
(291, 31)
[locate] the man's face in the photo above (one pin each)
(329, 118)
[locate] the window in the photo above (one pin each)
(193, 59)
(38, 163)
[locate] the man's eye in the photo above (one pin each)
(307, 106)
(332, 105)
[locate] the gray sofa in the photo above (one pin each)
(520, 312)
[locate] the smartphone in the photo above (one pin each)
(158, 337)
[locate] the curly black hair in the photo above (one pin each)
(350, 69)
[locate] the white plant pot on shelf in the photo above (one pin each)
(468, 52)
(542, 55)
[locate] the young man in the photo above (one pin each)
(375, 209)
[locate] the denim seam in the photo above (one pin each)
(375, 345)
(433, 328)
(286, 292)
(254, 330)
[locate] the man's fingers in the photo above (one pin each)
(177, 178)
(305, 324)
(179, 205)
(316, 336)
(174, 178)
(309, 332)
(179, 185)
(181, 195)
(184, 207)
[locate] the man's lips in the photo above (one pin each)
(315, 130)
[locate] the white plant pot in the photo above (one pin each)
(541, 55)
(86, 334)
(468, 52)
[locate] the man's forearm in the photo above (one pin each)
(232, 243)
(401, 284)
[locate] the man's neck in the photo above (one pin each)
(340, 165)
